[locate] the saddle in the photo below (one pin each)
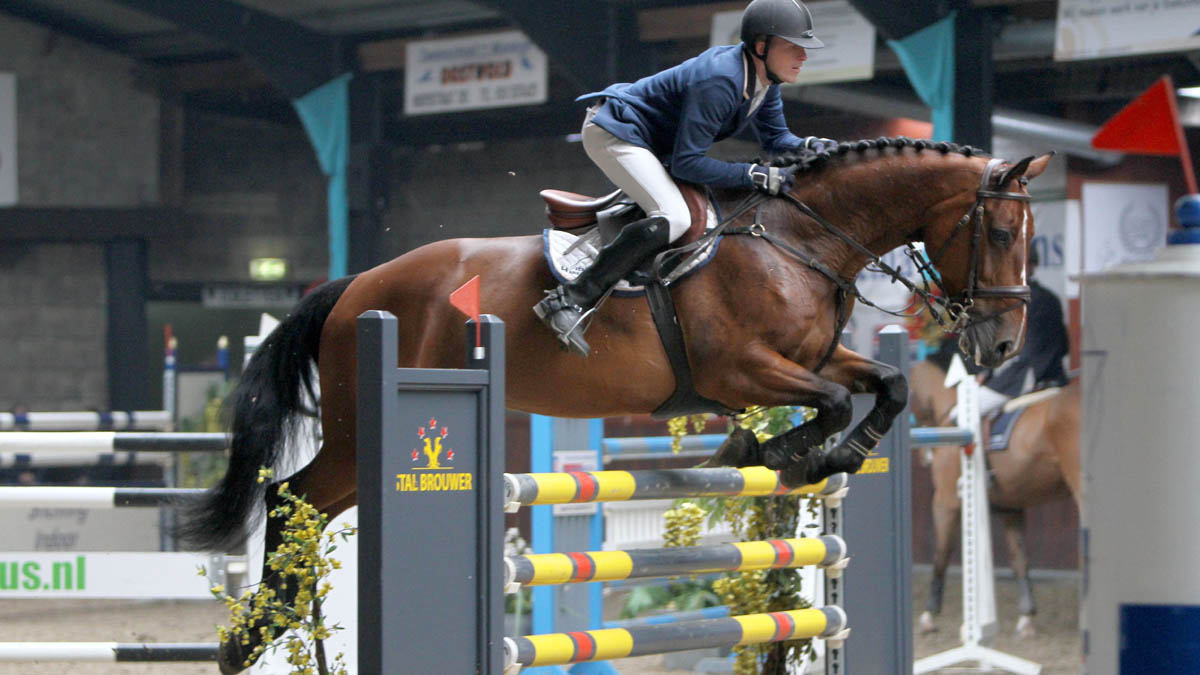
(572, 212)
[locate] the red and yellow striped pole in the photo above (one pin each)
(561, 568)
(555, 649)
(533, 489)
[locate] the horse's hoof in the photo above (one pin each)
(925, 624)
(806, 470)
(1025, 628)
(231, 656)
(739, 449)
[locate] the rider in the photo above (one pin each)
(646, 134)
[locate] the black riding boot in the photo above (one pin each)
(565, 308)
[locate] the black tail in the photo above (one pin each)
(265, 408)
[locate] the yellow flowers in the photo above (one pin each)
(286, 607)
(751, 519)
(677, 428)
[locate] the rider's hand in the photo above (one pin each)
(818, 144)
(771, 179)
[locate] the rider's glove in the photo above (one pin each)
(771, 179)
(818, 144)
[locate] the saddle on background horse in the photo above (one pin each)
(582, 225)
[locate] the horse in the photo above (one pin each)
(761, 322)
(1040, 465)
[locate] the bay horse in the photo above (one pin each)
(761, 323)
(1040, 465)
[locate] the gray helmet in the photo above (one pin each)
(786, 19)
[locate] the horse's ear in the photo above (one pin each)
(1037, 166)
(1014, 171)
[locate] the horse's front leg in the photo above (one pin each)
(861, 376)
(769, 379)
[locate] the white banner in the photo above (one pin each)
(1050, 240)
(1092, 29)
(104, 575)
(484, 71)
(1122, 223)
(8, 139)
(849, 51)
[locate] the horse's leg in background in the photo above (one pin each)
(1062, 429)
(947, 512)
(1014, 536)
(859, 375)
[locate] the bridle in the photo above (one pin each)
(957, 308)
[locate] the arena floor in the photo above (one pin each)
(1056, 646)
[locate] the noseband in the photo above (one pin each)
(958, 307)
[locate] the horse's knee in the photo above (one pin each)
(894, 396)
(838, 411)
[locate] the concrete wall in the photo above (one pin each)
(52, 327)
(87, 121)
(250, 189)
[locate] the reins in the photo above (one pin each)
(957, 308)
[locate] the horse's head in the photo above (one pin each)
(982, 255)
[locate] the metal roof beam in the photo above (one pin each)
(295, 58)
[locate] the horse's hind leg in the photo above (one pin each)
(1014, 536)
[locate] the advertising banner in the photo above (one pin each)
(8, 139)
(496, 70)
(1093, 29)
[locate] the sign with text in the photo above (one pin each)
(1093, 29)
(1122, 223)
(849, 51)
(8, 139)
(496, 70)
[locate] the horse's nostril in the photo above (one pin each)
(1004, 348)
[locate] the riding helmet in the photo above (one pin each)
(786, 19)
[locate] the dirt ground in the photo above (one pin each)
(1057, 645)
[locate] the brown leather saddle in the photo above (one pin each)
(573, 211)
(608, 214)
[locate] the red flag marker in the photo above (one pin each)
(466, 299)
(1149, 125)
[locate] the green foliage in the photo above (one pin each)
(753, 519)
(304, 559)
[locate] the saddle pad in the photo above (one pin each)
(1002, 428)
(568, 257)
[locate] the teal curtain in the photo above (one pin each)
(928, 59)
(325, 113)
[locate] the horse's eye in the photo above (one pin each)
(1001, 237)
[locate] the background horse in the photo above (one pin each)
(1040, 465)
(760, 320)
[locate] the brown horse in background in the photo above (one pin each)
(1040, 465)
(761, 321)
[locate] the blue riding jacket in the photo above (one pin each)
(680, 112)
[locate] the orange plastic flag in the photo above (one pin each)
(1148, 125)
(466, 298)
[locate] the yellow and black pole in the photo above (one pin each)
(554, 649)
(543, 569)
(533, 489)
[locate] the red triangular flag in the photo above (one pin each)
(1148, 125)
(466, 298)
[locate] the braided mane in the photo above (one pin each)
(806, 161)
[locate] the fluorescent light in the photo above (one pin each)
(1190, 92)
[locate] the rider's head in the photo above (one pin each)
(788, 20)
